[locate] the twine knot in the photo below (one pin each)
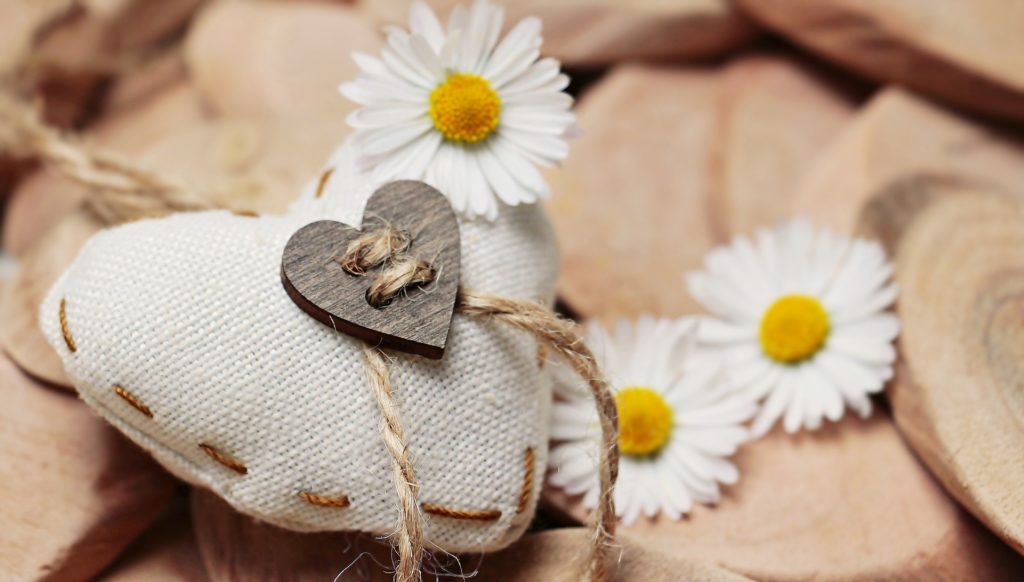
(388, 247)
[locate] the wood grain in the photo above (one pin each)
(74, 491)
(418, 319)
(257, 164)
(959, 257)
(774, 114)
(967, 54)
(674, 160)
(895, 136)
(589, 33)
(805, 497)
(266, 58)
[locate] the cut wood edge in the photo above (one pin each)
(237, 548)
(870, 47)
(895, 135)
(167, 552)
(958, 250)
(40, 267)
(75, 492)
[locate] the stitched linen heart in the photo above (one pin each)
(186, 318)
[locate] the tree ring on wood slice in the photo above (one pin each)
(958, 253)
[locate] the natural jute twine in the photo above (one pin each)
(120, 191)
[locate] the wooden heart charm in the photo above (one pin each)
(391, 283)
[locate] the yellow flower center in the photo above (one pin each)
(645, 421)
(794, 328)
(465, 108)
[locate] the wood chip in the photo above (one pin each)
(98, 40)
(801, 500)
(601, 32)
(673, 161)
(75, 493)
(775, 114)
(966, 53)
(897, 135)
(270, 58)
(959, 257)
(167, 552)
(252, 164)
(38, 269)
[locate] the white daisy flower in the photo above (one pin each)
(469, 114)
(801, 313)
(678, 420)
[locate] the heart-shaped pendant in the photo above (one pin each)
(393, 282)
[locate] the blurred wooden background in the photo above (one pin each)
(899, 119)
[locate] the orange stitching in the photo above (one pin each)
(542, 355)
(475, 515)
(340, 501)
(323, 182)
(70, 341)
(524, 497)
(223, 459)
(245, 213)
(132, 400)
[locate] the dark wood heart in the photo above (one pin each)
(417, 318)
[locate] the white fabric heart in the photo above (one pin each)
(187, 315)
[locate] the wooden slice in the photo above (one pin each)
(968, 54)
(601, 32)
(237, 548)
(556, 555)
(138, 87)
(959, 257)
(775, 114)
(895, 136)
(71, 60)
(167, 552)
(23, 21)
(137, 25)
(38, 269)
(673, 161)
(270, 58)
(801, 500)
(74, 492)
(249, 164)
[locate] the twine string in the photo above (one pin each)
(120, 191)
(386, 247)
(559, 335)
(410, 528)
